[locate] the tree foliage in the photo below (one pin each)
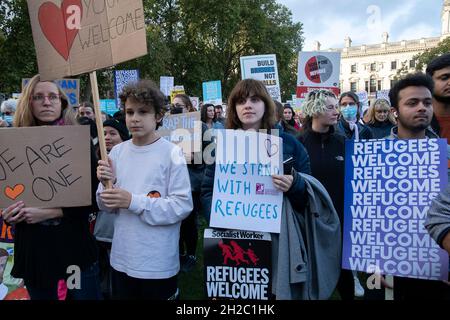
(192, 40)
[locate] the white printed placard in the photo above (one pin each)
(265, 69)
(244, 195)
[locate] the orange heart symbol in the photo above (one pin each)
(13, 193)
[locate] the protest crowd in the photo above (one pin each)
(137, 221)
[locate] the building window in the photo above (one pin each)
(373, 85)
(353, 68)
(367, 86)
(393, 82)
(373, 67)
(412, 63)
(353, 86)
(379, 85)
(393, 65)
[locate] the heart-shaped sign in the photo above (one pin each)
(13, 193)
(272, 149)
(53, 22)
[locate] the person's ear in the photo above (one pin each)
(159, 117)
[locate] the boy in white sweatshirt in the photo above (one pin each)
(151, 194)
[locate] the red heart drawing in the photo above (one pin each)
(13, 193)
(53, 24)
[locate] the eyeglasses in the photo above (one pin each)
(8, 113)
(178, 105)
(53, 98)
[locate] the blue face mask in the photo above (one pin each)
(349, 113)
(8, 119)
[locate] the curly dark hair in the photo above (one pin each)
(145, 92)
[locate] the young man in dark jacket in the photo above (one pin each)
(411, 97)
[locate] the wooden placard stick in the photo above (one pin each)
(98, 120)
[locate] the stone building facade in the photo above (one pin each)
(372, 68)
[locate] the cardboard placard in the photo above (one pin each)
(237, 264)
(71, 87)
(46, 167)
(389, 185)
(184, 129)
(79, 36)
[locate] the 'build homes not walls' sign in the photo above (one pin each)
(263, 68)
(78, 36)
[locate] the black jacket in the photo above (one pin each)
(381, 130)
(326, 152)
(44, 251)
(343, 128)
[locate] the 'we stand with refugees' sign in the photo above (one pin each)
(46, 167)
(244, 196)
(78, 36)
(389, 185)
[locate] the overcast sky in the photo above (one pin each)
(330, 21)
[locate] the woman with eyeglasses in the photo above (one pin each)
(349, 124)
(380, 119)
(49, 241)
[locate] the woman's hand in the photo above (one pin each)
(283, 182)
(105, 172)
(17, 213)
(36, 215)
(12, 215)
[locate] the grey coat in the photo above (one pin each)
(306, 255)
(438, 217)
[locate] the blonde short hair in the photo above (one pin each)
(315, 102)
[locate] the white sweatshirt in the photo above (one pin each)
(146, 235)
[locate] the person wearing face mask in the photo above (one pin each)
(380, 119)
(349, 124)
(8, 109)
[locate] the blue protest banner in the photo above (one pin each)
(108, 106)
(389, 185)
(121, 79)
(212, 92)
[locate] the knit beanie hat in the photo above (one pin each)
(123, 131)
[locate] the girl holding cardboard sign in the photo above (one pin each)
(52, 243)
